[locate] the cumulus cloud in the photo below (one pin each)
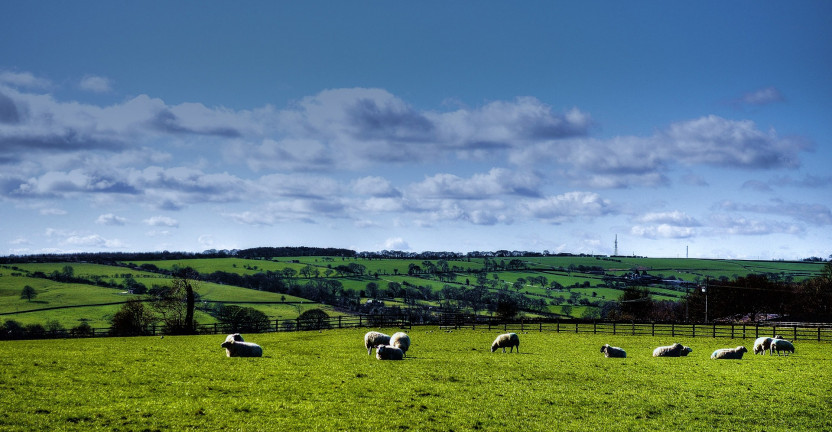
(23, 79)
(396, 243)
(95, 84)
(496, 182)
(569, 206)
(162, 221)
(110, 219)
(375, 187)
(673, 224)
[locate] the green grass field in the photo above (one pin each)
(450, 381)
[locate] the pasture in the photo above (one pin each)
(450, 381)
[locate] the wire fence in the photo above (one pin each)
(821, 332)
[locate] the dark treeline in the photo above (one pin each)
(749, 298)
(111, 258)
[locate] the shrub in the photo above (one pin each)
(313, 319)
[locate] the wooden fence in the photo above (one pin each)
(821, 332)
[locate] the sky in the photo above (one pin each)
(696, 129)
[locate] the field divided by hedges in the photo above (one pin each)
(451, 381)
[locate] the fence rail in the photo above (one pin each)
(821, 332)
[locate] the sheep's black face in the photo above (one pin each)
(226, 344)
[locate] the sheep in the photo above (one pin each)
(401, 341)
(232, 337)
(373, 339)
(387, 352)
(685, 351)
(610, 351)
(506, 340)
(234, 348)
(781, 345)
(729, 353)
(674, 350)
(762, 344)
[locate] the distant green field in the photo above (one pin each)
(450, 381)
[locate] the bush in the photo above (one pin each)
(131, 320)
(242, 319)
(313, 319)
(81, 330)
(11, 329)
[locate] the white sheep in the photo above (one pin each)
(611, 351)
(387, 352)
(506, 340)
(401, 341)
(781, 345)
(373, 339)
(762, 344)
(729, 353)
(234, 348)
(232, 337)
(674, 350)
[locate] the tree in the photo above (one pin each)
(242, 319)
(131, 320)
(28, 293)
(176, 303)
(313, 319)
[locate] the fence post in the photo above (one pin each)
(818, 333)
(653, 328)
(672, 329)
(732, 331)
(557, 329)
(633, 323)
(541, 326)
(521, 324)
(613, 327)
(339, 320)
(594, 327)
(714, 331)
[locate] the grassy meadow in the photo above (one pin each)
(450, 381)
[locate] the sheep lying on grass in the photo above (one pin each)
(387, 352)
(611, 351)
(685, 351)
(729, 353)
(233, 337)
(507, 340)
(781, 345)
(401, 341)
(373, 339)
(674, 350)
(235, 348)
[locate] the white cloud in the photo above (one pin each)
(665, 231)
(110, 219)
(95, 84)
(763, 96)
(23, 79)
(569, 206)
(162, 221)
(396, 243)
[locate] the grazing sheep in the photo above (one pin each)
(611, 351)
(781, 345)
(761, 345)
(685, 351)
(401, 341)
(729, 353)
(387, 352)
(373, 339)
(674, 350)
(234, 348)
(506, 340)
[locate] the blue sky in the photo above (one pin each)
(541, 126)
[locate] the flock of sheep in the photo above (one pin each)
(761, 345)
(395, 347)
